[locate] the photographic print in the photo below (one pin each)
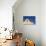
(29, 20)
